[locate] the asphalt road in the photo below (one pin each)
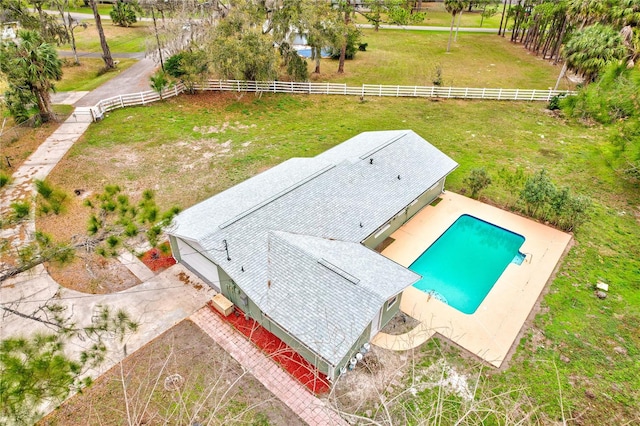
(132, 80)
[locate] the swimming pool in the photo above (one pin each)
(465, 262)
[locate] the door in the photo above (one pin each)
(203, 267)
(375, 324)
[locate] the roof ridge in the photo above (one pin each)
(384, 145)
(276, 196)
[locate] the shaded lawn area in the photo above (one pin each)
(88, 76)
(437, 16)
(191, 147)
(120, 39)
(412, 57)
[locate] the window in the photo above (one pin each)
(392, 302)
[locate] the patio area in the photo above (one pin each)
(492, 330)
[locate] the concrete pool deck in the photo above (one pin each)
(491, 331)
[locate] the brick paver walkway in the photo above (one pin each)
(312, 410)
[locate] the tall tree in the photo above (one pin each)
(321, 26)
(106, 52)
(51, 30)
(30, 67)
(592, 49)
(454, 7)
(345, 9)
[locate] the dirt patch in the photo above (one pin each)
(18, 143)
(93, 274)
(362, 390)
(401, 323)
(174, 374)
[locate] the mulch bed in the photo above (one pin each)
(158, 258)
(279, 351)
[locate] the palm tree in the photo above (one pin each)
(453, 7)
(590, 50)
(30, 66)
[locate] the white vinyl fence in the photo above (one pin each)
(308, 88)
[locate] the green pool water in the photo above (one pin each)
(464, 263)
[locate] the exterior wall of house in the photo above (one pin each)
(388, 312)
(189, 254)
(233, 292)
(373, 240)
(344, 362)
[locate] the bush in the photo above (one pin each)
(477, 180)
(173, 65)
(554, 103)
(20, 209)
(353, 41)
(5, 179)
(296, 66)
(537, 192)
(124, 13)
(43, 188)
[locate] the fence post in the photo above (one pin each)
(142, 97)
(121, 102)
(533, 94)
(516, 95)
(500, 94)
(449, 94)
(415, 91)
(466, 93)
(380, 90)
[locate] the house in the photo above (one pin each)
(293, 246)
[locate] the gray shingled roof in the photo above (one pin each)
(279, 228)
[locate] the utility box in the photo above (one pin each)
(222, 304)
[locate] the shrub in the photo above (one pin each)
(554, 103)
(477, 180)
(538, 191)
(20, 209)
(353, 41)
(124, 13)
(43, 188)
(295, 65)
(5, 179)
(173, 65)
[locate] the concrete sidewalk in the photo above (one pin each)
(156, 305)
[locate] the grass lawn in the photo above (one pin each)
(412, 57)
(86, 76)
(210, 142)
(437, 16)
(103, 8)
(120, 39)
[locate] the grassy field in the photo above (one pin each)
(88, 76)
(210, 142)
(412, 57)
(120, 39)
(437, 16)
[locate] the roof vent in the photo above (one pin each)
(344, 274)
